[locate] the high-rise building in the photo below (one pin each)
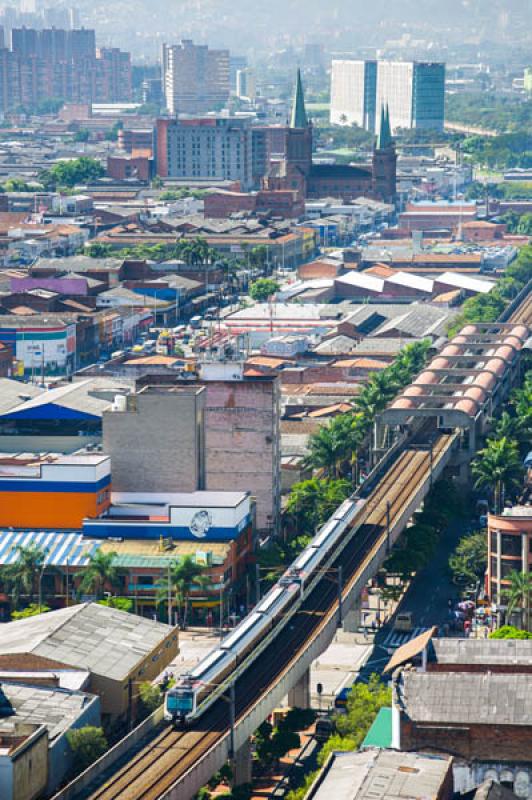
(236, 63)
(113, 74)
(220, 148)
(246, 86)
(60, 63)
(353, 93)
(413, 91)
(527, 80)
(195, 79)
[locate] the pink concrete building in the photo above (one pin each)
(509, 547)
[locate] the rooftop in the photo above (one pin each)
(56, 708)
(483, 651)
(469, 698)
(87, 636)
(382, 775)
(77, 398)
(62, 548)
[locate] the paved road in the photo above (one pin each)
(427, 599)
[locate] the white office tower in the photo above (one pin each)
(246, 85)
(353, 86)
(414, 92)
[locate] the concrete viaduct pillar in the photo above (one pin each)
(242, 764)
(299, 695)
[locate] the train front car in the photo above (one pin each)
(185, 701)
(179, 702)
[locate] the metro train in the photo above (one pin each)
(189, 698)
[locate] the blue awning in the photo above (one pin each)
(62, 548)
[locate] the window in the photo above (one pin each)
(493, 567)
(508, 566)
(510, 545)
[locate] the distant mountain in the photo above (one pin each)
(243, 24)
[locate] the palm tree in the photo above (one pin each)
(518, 596)
(327, 448)
(21, 577)
(99, 572)
(182, 577)
(498, 467)
(508, 426)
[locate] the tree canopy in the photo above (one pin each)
(70, 173)
(262, 289)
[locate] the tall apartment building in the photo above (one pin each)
(413, 91)
(113, 74)
(55, 63)
(220, 148)
(353, 93)
(195, 79)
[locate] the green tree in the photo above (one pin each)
(510, 632)
(83, 135)
(70, 173)
(99, 573)
(21, 577)
(327, 449)
(150, 696)
(311, 502)
(99, 250)
(30, 611)
(121, 603)
(364, 702)
(469, 560)
(518, 596)
(498, 467)
(262, 289)
(182, 577)
(88, 744)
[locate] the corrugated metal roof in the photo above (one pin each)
(60, 548)
(88, 636)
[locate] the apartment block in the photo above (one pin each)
(220, 148)
(195, 78)
(44, 64)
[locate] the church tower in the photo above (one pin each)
(299, 134)
(384, 164)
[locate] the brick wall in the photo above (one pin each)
(511, 743)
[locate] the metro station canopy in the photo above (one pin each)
(467, 379)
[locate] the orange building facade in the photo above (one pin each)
(54, 492)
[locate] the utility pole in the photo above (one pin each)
(232, 717)
(257, 583)
(221, 607)
(169, 597)
(388, 526)
(340, 601)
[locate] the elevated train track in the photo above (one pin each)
(172, 754)
(174, 764)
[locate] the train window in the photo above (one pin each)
(179, 702)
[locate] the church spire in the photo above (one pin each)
(385, 133)
(299, 114)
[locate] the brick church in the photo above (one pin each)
(286, 184)
(297, 172)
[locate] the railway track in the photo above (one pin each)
(168, 757)
(523, 313)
